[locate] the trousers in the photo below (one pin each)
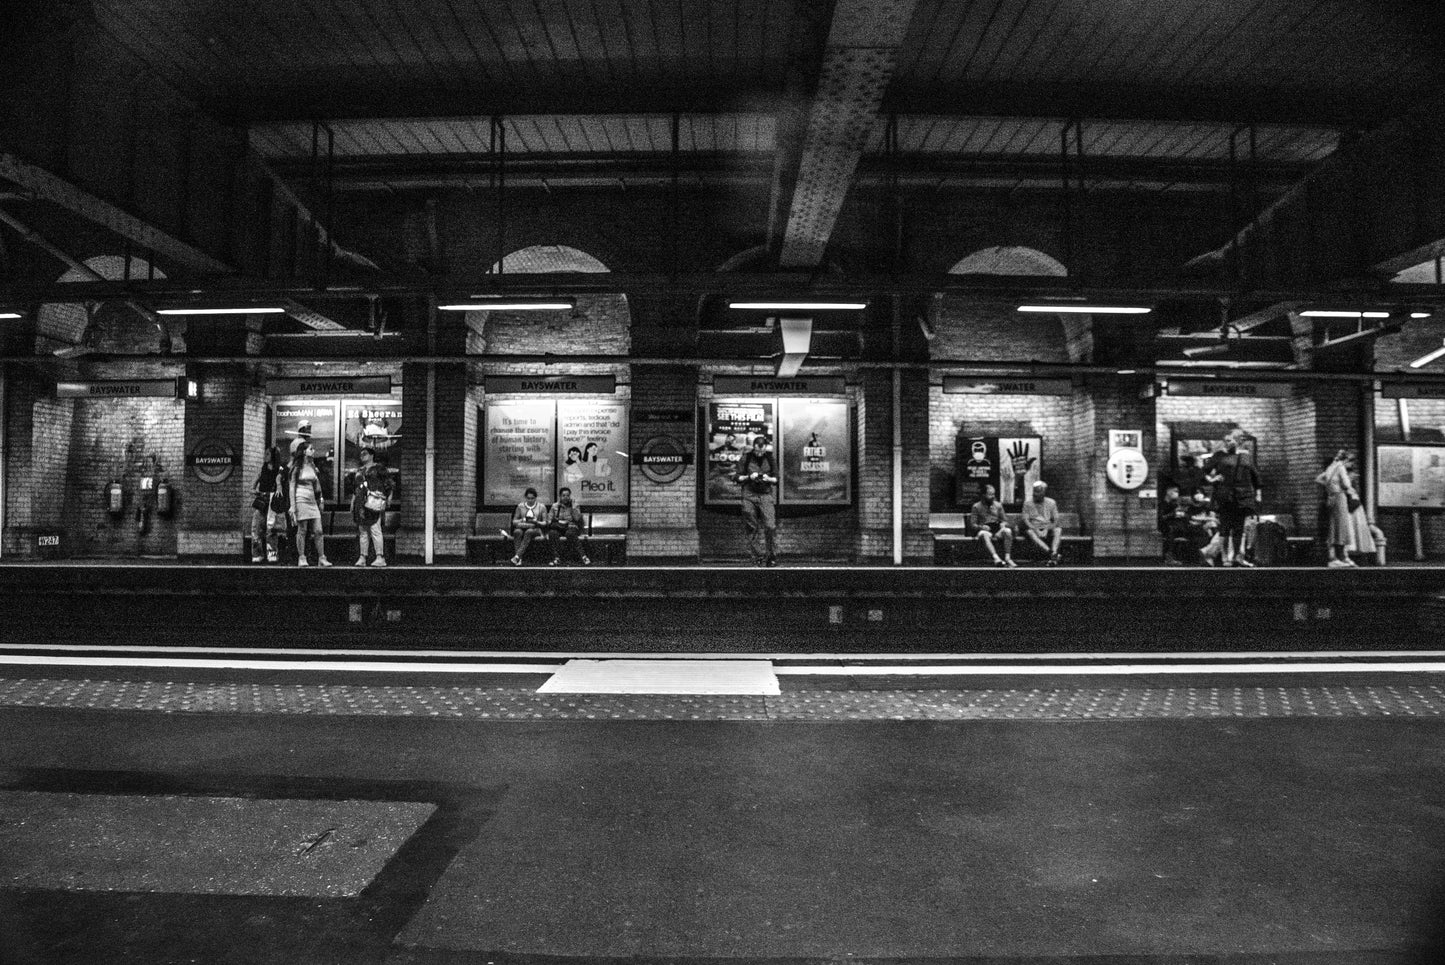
(760, 517)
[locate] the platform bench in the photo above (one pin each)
(954, 544)
(604, 540)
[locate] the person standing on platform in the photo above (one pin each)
(368, 505)
(265, 526)
(758, 474)
(306, 502)
(990, 523)
(1040, 520)
(1236, 495)
(529, 520)
(564, 522)
(1340, 500)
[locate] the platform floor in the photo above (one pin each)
(1100, 809)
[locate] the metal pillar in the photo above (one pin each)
(430, 483)
(897, 467)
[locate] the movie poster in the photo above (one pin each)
(1011, 465)
(519, 451)
(592, 454)
(317, 421)
(816, 462)
(731, 428)
(375, 425)
(1411, 477)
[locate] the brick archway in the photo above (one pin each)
(67, 323)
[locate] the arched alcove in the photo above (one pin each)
(598, 324)
(118, 328)
(967, 328)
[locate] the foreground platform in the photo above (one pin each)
(729, 609)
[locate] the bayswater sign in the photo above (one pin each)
(1413, 390)
(362, 385)
(966, 385)
(1232, 390)
(117, 389)
(765, 385)
(553, 384)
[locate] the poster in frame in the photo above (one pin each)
(816, 458)
(1010, 464)
(732, 425)
(1410, 476)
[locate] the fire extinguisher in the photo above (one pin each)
(114, 498)
(163, 496)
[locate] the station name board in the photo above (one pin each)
(965, 385)
(361, 385)
(553, 384)
(1232, 390)
(765, 385)
(1413, 390)
(117, 389)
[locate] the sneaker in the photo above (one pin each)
(361, 561)
(255, 559)
(1009, 562)
(379, 561)
(323, 561)
(1338, 564)
(303, 562)
(516, 561)
(1244, 563)
(272, 557)
(1350, 562)
(556, 561)
(1052, 561)
(1000, 563)
(586, 561)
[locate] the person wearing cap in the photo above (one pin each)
(303, 435)
(758, 474)
(529, 520)
(1040, 520)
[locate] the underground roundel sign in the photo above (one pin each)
(663, 459)
(213, 461)
(1127, 469)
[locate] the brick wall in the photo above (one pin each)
(664, 516)
(973, 332)
(37, 439)
(208, 513)
(1122, 524)
(598, 325)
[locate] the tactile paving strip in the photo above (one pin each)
(475, 703)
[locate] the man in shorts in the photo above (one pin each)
(990, 523)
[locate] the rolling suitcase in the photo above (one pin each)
(1271, 544)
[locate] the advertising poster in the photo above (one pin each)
(592, 454)
(816, 459)
(731, 428)
(375, 425)
(1411, 477)
(519, 451)
(1011, 465)
(289, 420)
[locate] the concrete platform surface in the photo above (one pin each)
(1165, 840)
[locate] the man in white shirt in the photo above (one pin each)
(1040, 519)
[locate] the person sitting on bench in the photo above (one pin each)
(529, 520)
(1040, 520)
(564, 522)
(1174, 527)
(989, 521)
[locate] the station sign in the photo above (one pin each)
(331, 385)
(117, 389)
(553, 384)
(772, 385)
(1412, 390)
(1213, 389)
(969, 385)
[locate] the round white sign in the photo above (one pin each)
(1127, 468)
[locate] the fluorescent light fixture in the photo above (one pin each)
(1126, 372)
(1208, 351)
(800, 306)
(10, 315)
(483, 303)
(1331, 313)
(1074, 309)
(224, 310)
(1412, 315)
(1427, 359)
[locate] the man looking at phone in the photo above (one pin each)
(758, 473)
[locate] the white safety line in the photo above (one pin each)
(312, 665)
(1155, 670)
(897, 658)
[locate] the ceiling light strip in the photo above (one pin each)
(1086, 309)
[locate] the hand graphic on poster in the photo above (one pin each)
(1021, 462)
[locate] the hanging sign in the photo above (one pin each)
(328, 385)
(117, 389)
(771, 385)
(1413, 390)
(969, 385)
(1232, 390)
(553, 384)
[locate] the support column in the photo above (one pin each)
(663, 524)
(876, 454)
(212, 514)
(1123, 525)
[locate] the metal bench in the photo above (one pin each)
(955, 544)
(604, 540)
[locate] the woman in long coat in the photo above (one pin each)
(1338, 493)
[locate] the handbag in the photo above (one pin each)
(261, 502)
(1352, 503)
(375, 501)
